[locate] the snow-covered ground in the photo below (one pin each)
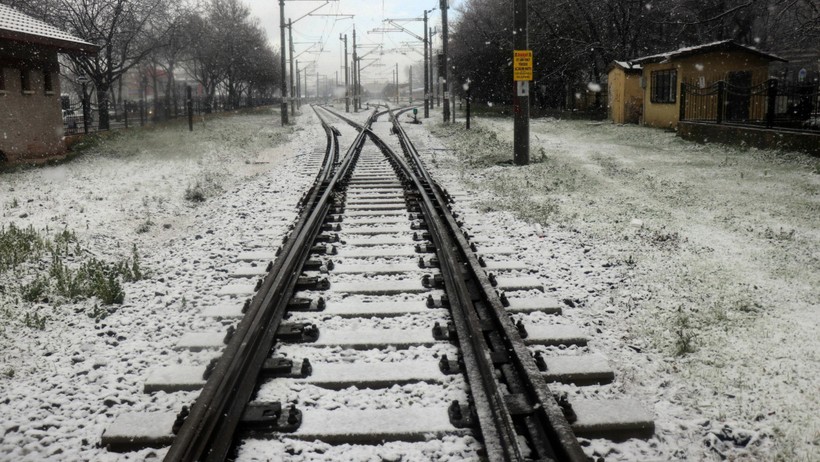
(695, 268)
(68, 370)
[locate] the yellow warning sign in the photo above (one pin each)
(522, 65)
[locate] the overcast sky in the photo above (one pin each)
(323, 32)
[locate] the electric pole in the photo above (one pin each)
(445, 85)
(426, 80)
(397, 84)
(432, 67)
(355, 78)
(347, 84)
(292, 88)
(522, 70)
(411, 84)
(283, 58)
(298, 93)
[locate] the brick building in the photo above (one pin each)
(31, 124)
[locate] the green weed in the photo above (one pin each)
(20, 244)
(35, 290)
(684, 335)
(35, 320)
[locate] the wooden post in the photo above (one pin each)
(682, 115)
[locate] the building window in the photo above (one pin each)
(25, 81)
(48, 82)
(664, 86)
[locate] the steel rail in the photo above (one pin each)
(547, 415)
(207, 433)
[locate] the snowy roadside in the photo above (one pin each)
(188, 203)
(696, 269)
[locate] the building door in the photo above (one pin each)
(738, 96)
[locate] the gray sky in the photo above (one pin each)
(368, 15)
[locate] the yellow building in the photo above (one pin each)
(624, 92)
(702, 65)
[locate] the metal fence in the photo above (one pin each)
(80, 118)
(770, 104)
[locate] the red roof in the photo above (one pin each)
(19, 27)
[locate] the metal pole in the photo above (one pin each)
(411, 84)
(292, 89)
(189, 105)
(433, 81)
(521, 96)
(298, 87)
(283, 64)
(347, 84)
(397, 84)
(355, 75)
(85, 108)
(359, 80)
(445, 85)
(426, 77)
(468, 105)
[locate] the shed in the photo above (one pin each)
(31, 123)
(737, 64)
(625, 92)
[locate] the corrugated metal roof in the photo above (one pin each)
(17, 26)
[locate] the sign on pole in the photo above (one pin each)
(522, 65)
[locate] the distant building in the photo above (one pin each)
(31, 123)
(662, 75)
(625, 92)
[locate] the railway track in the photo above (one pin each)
(381, 325)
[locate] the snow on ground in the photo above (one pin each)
(695, 269)
(64, 379)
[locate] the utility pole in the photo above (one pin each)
(433, 81)
(445, 78)
(426, 80)
(347, 84)
(292, 89)
(397, 84)
(411, 84)
(522, 62)
(298, 87)
(283, 57)
(355, 77)
(360, 90)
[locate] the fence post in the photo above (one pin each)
(189, 105)
(771, 93)
(682, 115)
(125, 112)
(721, 96)
(469, 97)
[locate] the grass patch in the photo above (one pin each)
(20, 244)
(485, 163)
(57, 269)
